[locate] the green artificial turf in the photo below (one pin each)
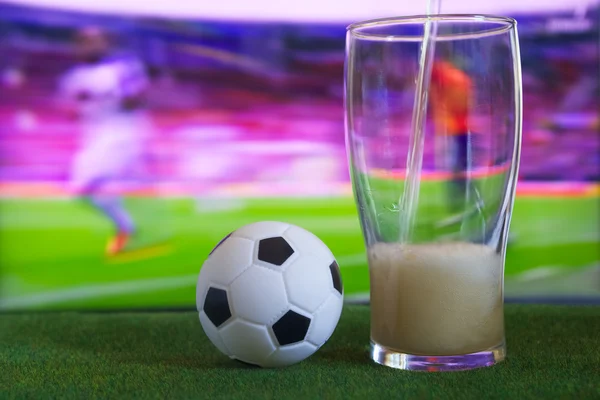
(553, 352)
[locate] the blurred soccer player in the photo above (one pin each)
(451, 93)
(105, 94)
(450, 96)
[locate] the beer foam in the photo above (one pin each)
(436, 299)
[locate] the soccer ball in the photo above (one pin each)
(269, 294)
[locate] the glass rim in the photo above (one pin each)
(500, 24)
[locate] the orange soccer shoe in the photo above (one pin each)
(117, 243)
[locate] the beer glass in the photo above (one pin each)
(434, 195)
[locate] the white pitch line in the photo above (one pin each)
(352, 260)
(128, 287)
(88, 292)
(159, 284)
(96, 291)
(541, 273)
(357, 298)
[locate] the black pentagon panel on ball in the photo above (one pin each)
(336, 276)
(216, 306)
(220, 243)
(275, 250)
(291, 328)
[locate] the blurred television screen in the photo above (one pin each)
(232, 121)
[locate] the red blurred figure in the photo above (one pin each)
(450, 95)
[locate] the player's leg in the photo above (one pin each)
(457, 184)
(112, 208)
(459, 165)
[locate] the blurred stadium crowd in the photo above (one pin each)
(245, 102)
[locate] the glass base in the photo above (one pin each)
(394, 359)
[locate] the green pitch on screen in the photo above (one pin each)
(52, 251)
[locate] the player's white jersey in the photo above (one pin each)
(113, 136)
(97, 90)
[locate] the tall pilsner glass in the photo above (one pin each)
(436, 246)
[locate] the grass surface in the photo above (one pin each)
(52, 251)
(553, 352)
